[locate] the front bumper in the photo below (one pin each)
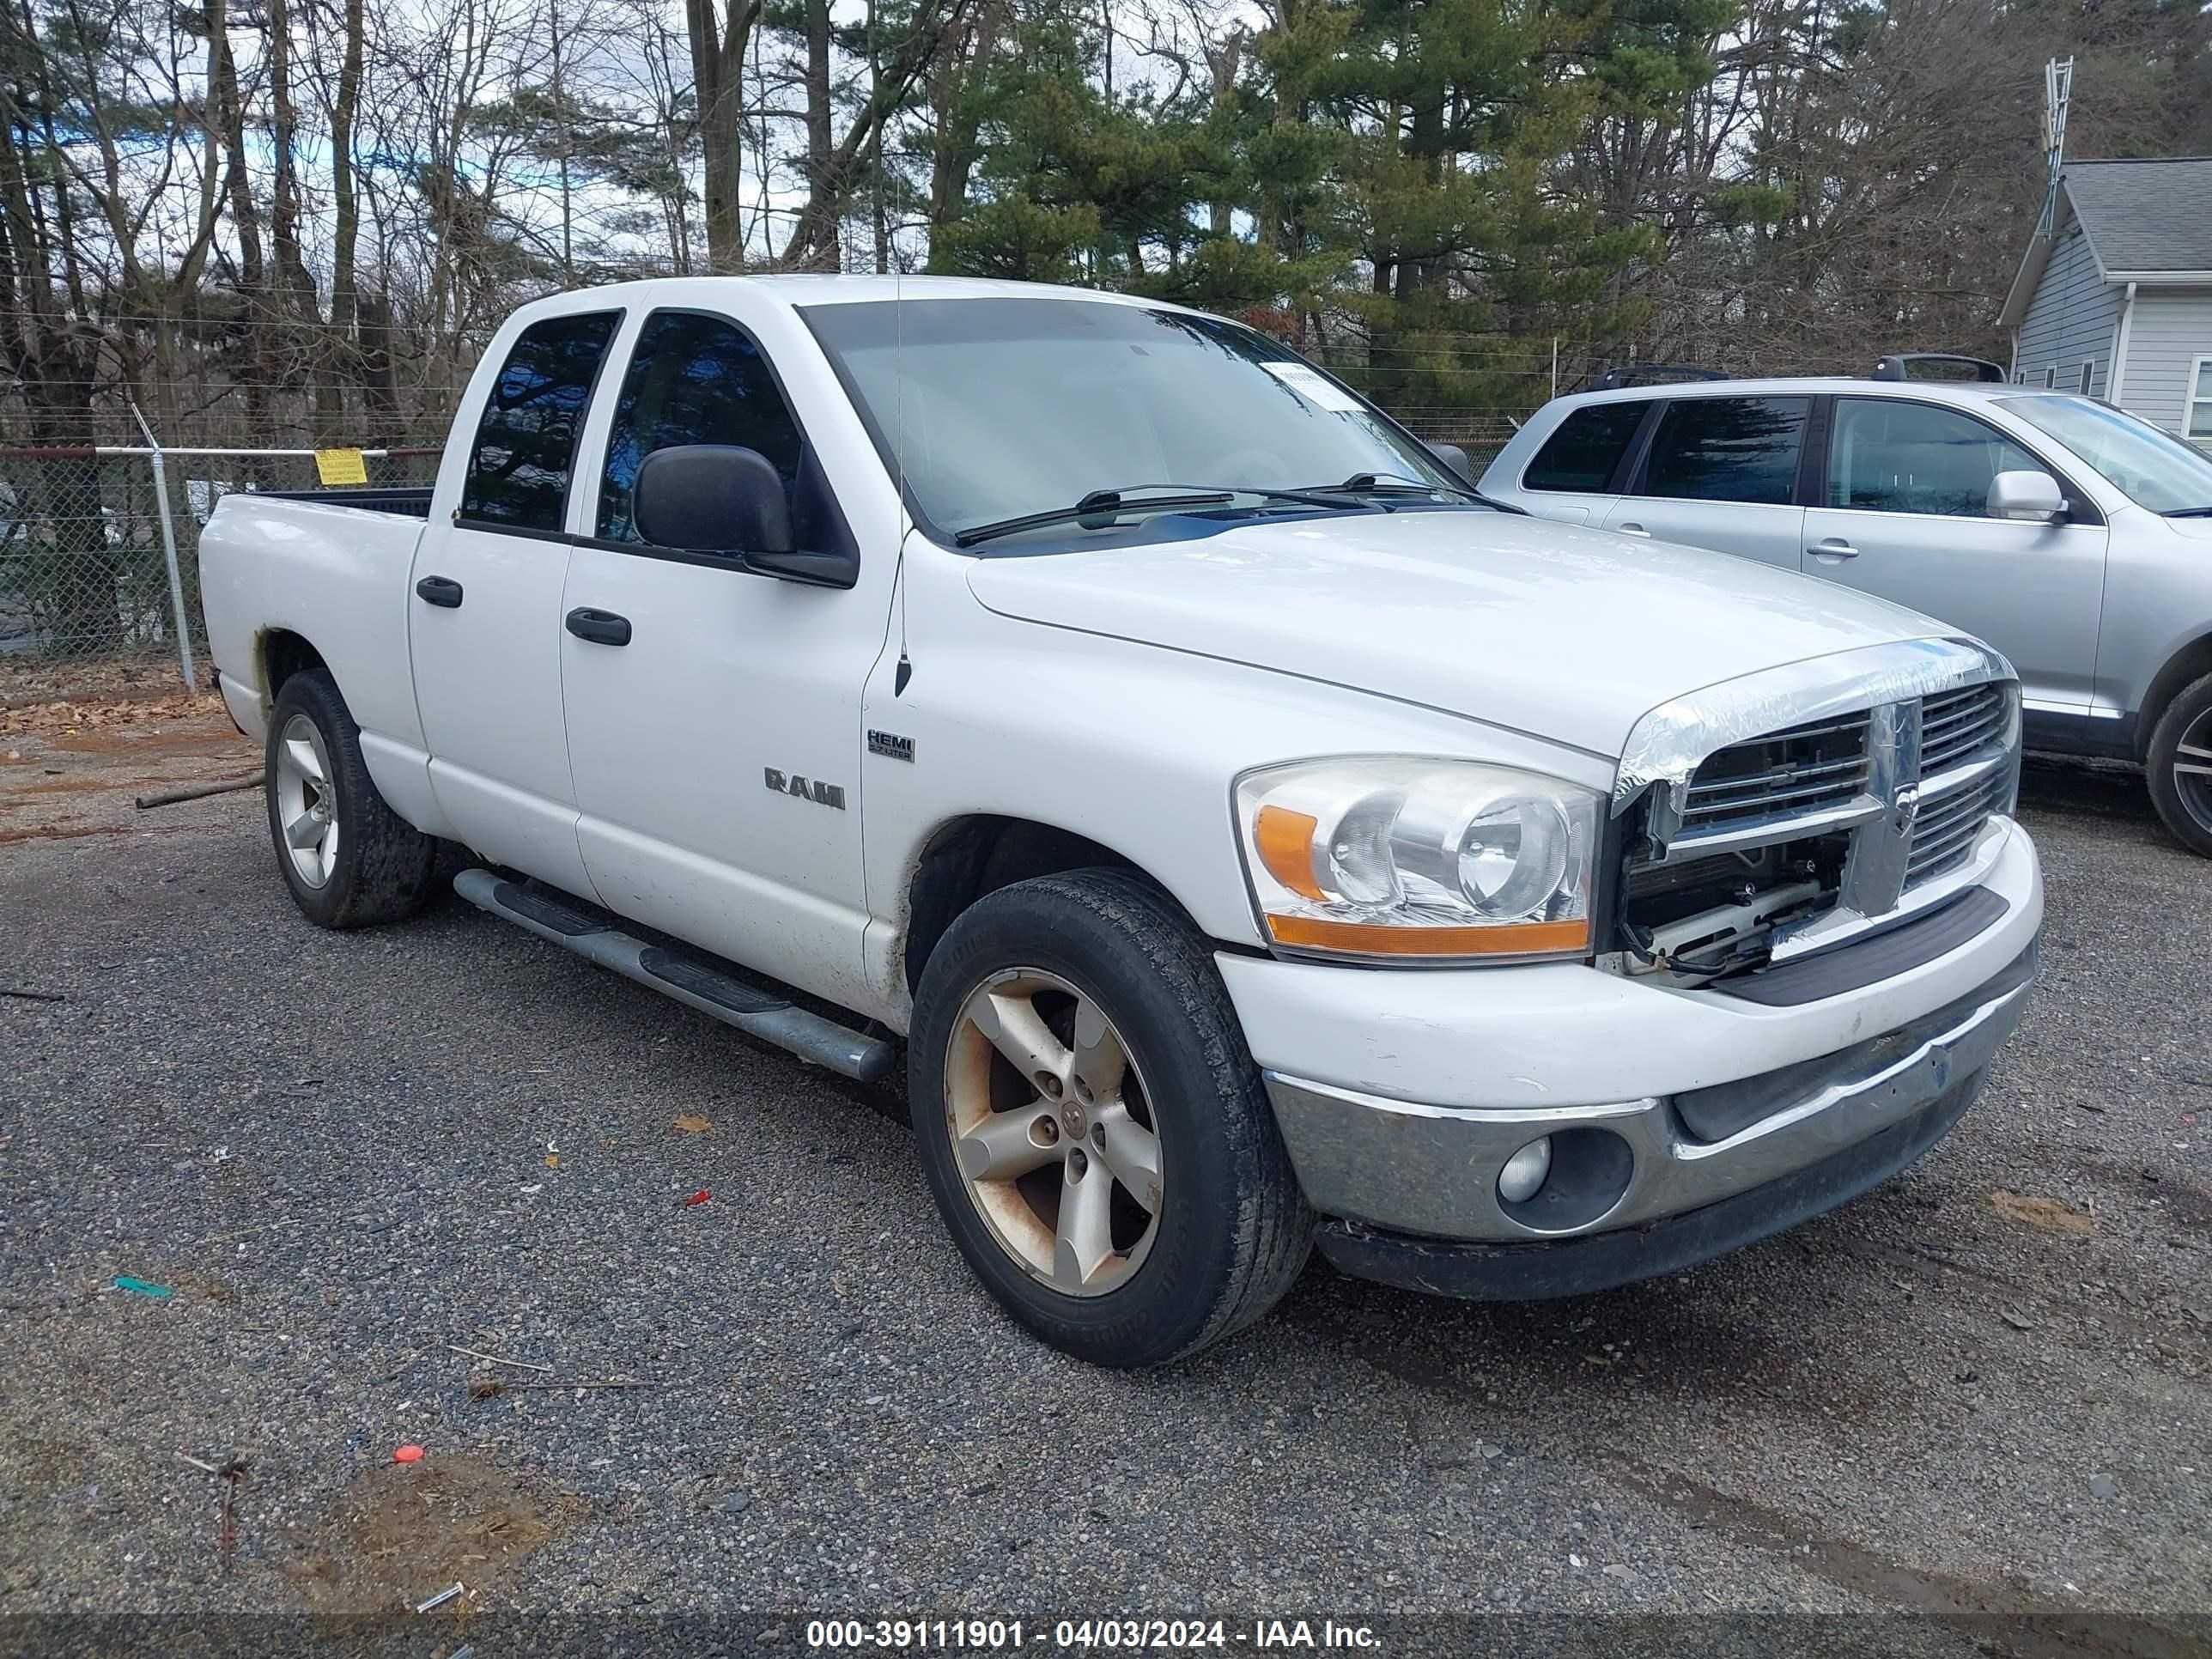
(1661, 1103)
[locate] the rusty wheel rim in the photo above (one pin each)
(1053, 1131)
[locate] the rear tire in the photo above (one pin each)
(348, 858)
(1135, 1084)
(2179, 766)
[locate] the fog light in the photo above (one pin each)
(1524, 1171)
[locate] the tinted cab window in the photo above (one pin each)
(1583, 453)
(525, 441)
(1887, 457)
(693, 379)
(1728, 449)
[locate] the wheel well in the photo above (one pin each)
(2189, 664)
(973, 856)
(284, 653)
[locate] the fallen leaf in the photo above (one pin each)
(2048, 1215)
(552, 1160)
(691, 1123)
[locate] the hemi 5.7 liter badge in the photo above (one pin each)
(890, 745)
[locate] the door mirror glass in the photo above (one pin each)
(713, 498)
(2031, 497)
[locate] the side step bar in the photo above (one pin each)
(721, 996)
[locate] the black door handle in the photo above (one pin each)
(440, 591)
(599, 627)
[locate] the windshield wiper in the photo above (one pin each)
(1387, 485)
(1110, 503)
(2189, 513)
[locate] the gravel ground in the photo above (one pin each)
(1981, 1391)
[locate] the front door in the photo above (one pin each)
(1721, 473)
(717, 753)
(485, 609)
(1903, 515)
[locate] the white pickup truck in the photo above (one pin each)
(1256, 838)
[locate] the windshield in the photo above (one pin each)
(1017, 406)
(2152, 467)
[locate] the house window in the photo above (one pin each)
(2198, 421)
(2088, 373)
(2050, 377)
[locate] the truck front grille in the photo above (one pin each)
(1944, 833)
(1791, 774)
(1958, 726)
(1857, 809)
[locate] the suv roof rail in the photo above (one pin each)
(1899, 366)
(1623, 374)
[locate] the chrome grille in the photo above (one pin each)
(1848, 813)
(1791, 774)
(1944, 832)
(1955, 726)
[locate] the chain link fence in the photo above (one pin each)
(84, 553)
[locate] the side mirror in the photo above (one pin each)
(2029, 497)
(713, 498)
(1456, 461)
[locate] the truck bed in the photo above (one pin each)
(334, 567)
(407, 500)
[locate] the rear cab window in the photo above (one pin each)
(1583, 454)
(1728, 449)
(525, 440)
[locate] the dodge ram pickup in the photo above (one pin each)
(1257, 840)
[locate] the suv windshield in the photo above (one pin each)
(995, 409)
(2152, 467)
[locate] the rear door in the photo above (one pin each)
(484, 617)
(1722, 472)
(717, 751)
(1574, 475)
(1903, 513)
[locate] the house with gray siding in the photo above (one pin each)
(2116, 301)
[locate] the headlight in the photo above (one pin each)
(1402, 858)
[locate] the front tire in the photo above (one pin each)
(1092, 1124)
(348, 858)
(2179, 766)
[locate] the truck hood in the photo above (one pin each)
(1564, 634)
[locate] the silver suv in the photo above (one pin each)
(2073, 537)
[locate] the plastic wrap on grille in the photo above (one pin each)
(1666, 744)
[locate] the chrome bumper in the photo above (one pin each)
(1433, 1171)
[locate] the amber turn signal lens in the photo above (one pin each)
(1511, 939)
(1284, 840)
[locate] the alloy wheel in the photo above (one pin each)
(2192, 770)
(307, 808)
(1053, 1131)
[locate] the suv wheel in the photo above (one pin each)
(2179, 765)
(1093, 1128)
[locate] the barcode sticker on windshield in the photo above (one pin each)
(1310, 384)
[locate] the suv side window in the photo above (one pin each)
(1728, 449)
(1588, 445)
(525, 442)
(694, 379)
(1893, 457)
